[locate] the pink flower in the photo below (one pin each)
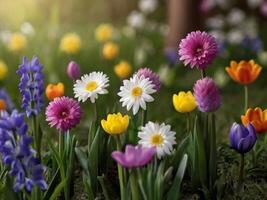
(152, 76)
(207, 95)
(63, 113)
(134, 156)
(73, 70)
(198, 49)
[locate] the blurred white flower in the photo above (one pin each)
(263, 57)
(166, 74)
(148, 6)
(27, 29)
(136, 19)
(249, 27)
(216, 22)
(129, 31)
(5, 36)
(220, 77)
(254, 3)
(236, 16)
(235, 36)
(140, 56)
(219, 35)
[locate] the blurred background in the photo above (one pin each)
(120, 36)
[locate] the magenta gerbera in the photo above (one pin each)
(152, 76)
(63, 113)
(198, 49)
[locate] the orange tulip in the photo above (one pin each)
(54, 90)
(257, 118)
(244, 72)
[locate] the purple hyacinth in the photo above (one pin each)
(31, 86)
(207, 95)
(171, 55)
(16, 153)
(198, 49)
(134, 156)
(242, 139)
(152, 76)
(5, 99)
(73, 70)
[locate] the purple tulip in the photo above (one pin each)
(242, 138)
(134, 156)
(73, 70)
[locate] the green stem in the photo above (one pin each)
(95, 112)
(188, 123)
(36, 136)
(61, 146)
(241, 169)
(120, 171)
(144, 116)
(245, 98)
(134, 185)
(203, 73)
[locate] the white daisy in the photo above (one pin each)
(136, 92)
(90, 85)
(159, 136)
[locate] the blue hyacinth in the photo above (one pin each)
(17, 154)
(31, 86)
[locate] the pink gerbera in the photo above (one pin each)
(63, 113)
(198, 49)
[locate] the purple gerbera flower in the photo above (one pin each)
(17, 154)
(134, 156)
(207, 95)
(152, 76)
(31, 85)
(64, 113)
(198, 49)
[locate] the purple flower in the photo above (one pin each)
(198, 49)
(254, 44)
(31, 86)
(64, 113)
(242, 138)
(5, 101)
(134, 156)
(207, 95)
(16, 153)
(263, 9)
(73, 70)
(171, 55)
(152, 76)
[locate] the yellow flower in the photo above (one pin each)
(103, 32)
(184, 102)
(70, 43)
(110, 50)
(123, 70)
(17, 42)
(115, 124)
(3, 70)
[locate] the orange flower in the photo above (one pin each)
(54, 90)
(257, 118)
(244, 72)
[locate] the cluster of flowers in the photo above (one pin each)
(16, 152)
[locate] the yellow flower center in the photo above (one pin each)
(137, 92)
(156, 139)
(2, 104)
(91, 86)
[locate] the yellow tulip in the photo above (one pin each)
(70, 43)
(184, 102)
(115, 124)
(3, 70)
(110, 50)
(104, 32)
(17, 42)
(123, 70)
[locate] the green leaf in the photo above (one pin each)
(83, 160)
(174, 192)
(51, 186)
(58, 189)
